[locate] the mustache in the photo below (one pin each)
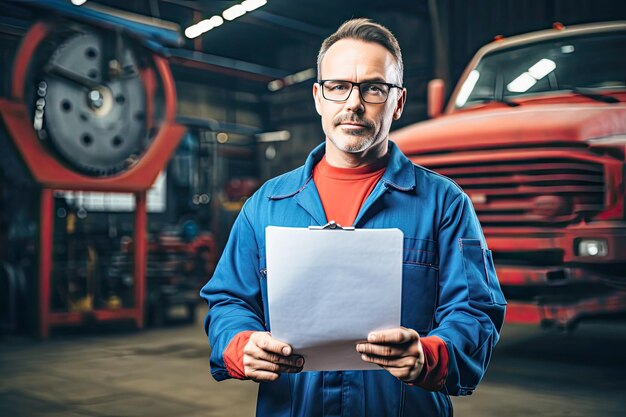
(347, 118)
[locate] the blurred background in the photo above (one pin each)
(131, 133)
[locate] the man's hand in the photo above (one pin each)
(265, 358)
(399, 351)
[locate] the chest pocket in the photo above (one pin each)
(420, 283)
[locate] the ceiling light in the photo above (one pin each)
(275, 85)
(203, 26)
(216, 21)
(193, 31)
(303, 75)
(78, 2)
(234, 12)
(250, 5)
(277, 136)
(297, 77)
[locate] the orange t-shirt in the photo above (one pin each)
(344, 190)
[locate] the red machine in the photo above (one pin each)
(535, 133)
(89, 109)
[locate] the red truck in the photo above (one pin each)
(535, 133)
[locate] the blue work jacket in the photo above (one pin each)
(449, 289)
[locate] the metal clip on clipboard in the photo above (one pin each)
(331, 225)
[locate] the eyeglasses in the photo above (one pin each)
(371, 92)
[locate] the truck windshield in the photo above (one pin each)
(595, 62)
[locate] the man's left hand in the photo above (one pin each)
(399, 351)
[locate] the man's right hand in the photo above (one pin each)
(265, 358)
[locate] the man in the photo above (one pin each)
(452, 305)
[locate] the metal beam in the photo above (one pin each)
(289, 23)
(229, 66)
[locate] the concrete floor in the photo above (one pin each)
(164, 372)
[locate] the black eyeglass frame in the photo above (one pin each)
(358, 85)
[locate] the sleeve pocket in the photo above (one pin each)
(474, 264)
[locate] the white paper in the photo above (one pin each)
(328, 289)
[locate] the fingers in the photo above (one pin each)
(392, 343)
(398, 350)
(382, 350)
(265, 358)
(262, 376)
(397, 335)
(266, 342)
(406, 368)
(387, 362)
(258, 370)
(255, 352)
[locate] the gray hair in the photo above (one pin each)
(367, 31)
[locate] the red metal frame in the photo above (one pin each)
(48, 318)
(52, 175)
(140, 255)
(46, 230)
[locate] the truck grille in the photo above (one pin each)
(529, 187)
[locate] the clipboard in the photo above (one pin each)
(328, 289)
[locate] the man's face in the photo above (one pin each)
(354, 126)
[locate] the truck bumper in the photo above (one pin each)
(548, 281)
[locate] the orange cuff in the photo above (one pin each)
(435, 369)
(233, 354)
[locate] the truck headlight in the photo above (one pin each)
(593, 247)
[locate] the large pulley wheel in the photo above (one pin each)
(91, 96)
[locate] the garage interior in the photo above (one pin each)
(115, 328)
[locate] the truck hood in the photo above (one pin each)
(512, 127)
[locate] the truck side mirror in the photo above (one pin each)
(436, 93)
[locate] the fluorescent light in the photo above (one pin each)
(467, 88)
(275, 85)
(278, 136)
(522, 83)
(303, 75)
(231, 13)
(542, 68)
(193, 31)
(297, 77)
(234, 12)
(203, 26)
(250, 5)
(216, 21)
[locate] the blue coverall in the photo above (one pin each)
(449, 289)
